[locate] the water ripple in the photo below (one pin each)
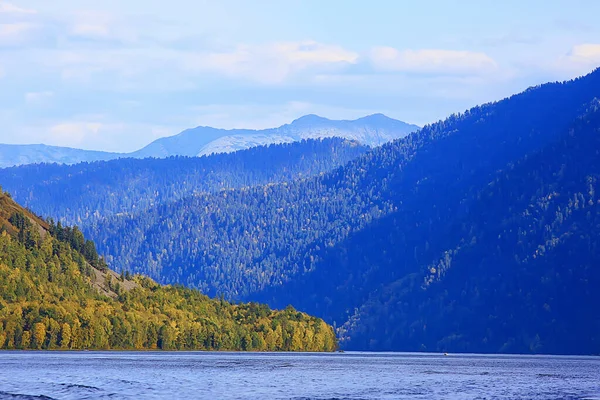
(348, 376)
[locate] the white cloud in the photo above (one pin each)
(90, 29)
(96, 25)
(580, 60)
(15, 33)
(81, 65)
(271, 63)
(73, 133)
(6, 7)
(38, 97)
(431, 61)
(14, 28)
(586, 53)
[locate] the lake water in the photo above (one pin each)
(130, 375)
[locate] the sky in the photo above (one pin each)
(115, 75)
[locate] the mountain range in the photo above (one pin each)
(23, 154)
(479, 233)
(373, 130)
(88, 192)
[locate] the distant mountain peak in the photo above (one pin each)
(376, 117)
(372, 130)
(309, 119)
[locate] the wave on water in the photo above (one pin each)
(327, 398)
(431, 372)
(77, 386)
(20, 396)
(296, 377)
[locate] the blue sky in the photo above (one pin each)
(115, 75)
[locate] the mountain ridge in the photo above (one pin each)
(478, 233)
(372, 130)
(332, 242)
(139, 183)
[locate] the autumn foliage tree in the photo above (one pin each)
(51, 297)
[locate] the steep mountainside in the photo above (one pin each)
(86, 192)
(520, 271)
(373, 130)
(335, 243)
(56, 293)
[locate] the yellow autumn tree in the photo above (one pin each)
(39, 335)
(65, 336)
(26, 340)
(49, 299)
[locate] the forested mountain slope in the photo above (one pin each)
(332, 244)
(56, 293)
(206, 232)
(432, 178)
(522, 273)
(82, 193)
(426, 243)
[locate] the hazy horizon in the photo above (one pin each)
(115, 76)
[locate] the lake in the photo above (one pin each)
(207, 375)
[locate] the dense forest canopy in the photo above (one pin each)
(56, 293)
(84, 193)
(520, 271)
(477, 233)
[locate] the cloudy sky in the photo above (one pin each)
(115, 74)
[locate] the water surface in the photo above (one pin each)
(199, 375)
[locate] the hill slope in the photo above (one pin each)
(332, 244)
(56, 293)
(521, 273)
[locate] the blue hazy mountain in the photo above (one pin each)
(373, 130)
(85, 192)
(11, 154)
